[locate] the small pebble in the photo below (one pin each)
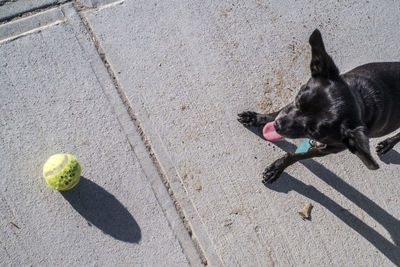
(197, 186)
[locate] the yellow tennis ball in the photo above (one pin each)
(62, 171)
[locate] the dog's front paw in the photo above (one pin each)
(248, 119)
(383, 147)
(272, 173)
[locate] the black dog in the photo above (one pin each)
(339, 111)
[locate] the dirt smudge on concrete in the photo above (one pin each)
(283, 80)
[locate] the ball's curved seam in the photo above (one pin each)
(62, 171)
(59, 168)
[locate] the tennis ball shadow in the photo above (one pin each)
(103, 210)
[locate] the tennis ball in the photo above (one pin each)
(62, 171)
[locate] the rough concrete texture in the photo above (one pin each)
(188, 67)
(11, 8)
(56, 96)
(97, 3)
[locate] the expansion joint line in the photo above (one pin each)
(80, 8)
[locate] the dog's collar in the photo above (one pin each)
(309, 144)
(316, 144)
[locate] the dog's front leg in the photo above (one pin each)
(274, 171)
(387, 144)
(254, 119)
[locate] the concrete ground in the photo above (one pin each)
(145, 94)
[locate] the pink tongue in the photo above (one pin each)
(270, 133)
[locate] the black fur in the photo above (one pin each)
(341, 111)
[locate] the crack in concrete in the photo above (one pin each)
(28, 13)
(19, 34)
(3, 2)
(80, 9)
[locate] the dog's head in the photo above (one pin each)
(325, 109)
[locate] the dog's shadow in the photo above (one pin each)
(288, 183)
(391, 157)
(101, 209)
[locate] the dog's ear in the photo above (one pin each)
(322, 65)
(357, 142)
